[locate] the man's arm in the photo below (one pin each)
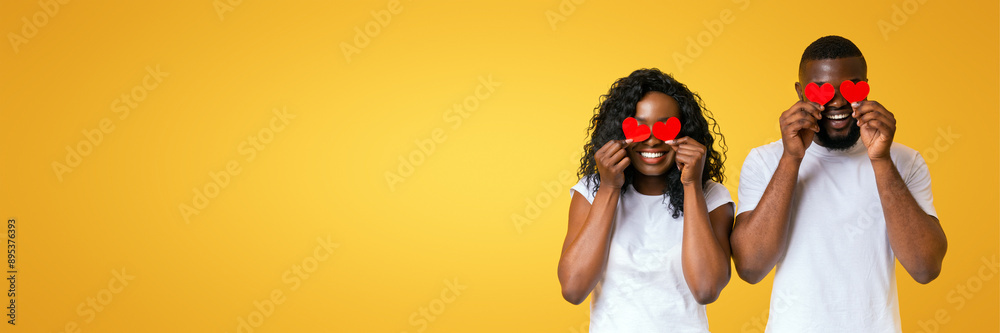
(916, 238)
(760, 236)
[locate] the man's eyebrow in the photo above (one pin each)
(820, 83)
(855, 80)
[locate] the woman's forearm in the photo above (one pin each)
(586, 251)
(704, 260)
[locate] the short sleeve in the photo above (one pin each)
(582, 188)
(753, 182)
(716, 195)
(918, 180)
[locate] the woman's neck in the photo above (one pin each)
(649, 185)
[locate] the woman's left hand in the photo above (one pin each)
(690, 158)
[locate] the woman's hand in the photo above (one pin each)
(612, 159)
(690, 158)
(588, 238)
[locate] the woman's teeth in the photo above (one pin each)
(837, 116)
(651, 155)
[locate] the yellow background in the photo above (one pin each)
(453, 218)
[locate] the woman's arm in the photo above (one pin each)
(705, 249)
(585, 249)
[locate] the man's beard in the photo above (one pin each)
(841, 143)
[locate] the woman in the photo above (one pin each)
(649, 221)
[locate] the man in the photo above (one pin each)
(833, 204)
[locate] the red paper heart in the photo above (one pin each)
(854, 92)
(820, 94)
(667, 130)
(634, 131)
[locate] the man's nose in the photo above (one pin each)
(838, 100)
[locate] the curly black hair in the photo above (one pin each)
(620, 103)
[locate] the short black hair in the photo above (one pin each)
(830, 47)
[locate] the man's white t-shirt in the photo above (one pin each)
(838, 273)
(643, 287)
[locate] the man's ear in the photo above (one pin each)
(798, 90)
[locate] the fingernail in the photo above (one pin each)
(856, 104)
(669, 142)
(628, 140)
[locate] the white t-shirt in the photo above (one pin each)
(643, 287)
(838, 273)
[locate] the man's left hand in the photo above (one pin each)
(878, 126)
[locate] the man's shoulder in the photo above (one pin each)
(901, 149)
(906, 158)
(768, 151)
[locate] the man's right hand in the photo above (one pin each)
(798, 126)
(612, 160)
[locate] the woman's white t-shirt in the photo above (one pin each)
(643, 287)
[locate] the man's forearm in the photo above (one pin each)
(916, 238)
(760, 238)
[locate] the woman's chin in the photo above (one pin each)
(653, 170)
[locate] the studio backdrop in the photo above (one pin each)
(404, 166)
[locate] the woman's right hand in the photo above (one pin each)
(612, 159)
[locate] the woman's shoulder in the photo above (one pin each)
(711, 184)
(586, 186)
(716, 194)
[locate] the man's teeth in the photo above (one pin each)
(651, 155)
(837, 116)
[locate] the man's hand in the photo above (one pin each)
(798, 126)
(878, 126)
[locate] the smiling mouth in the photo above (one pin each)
(651, 154)
(837, 116)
